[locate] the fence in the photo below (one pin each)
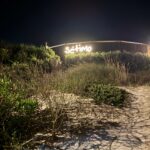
(132, 47)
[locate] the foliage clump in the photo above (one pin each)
(15, 111)
(107, 94)
(29, 54)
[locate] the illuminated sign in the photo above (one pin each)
(78, 48)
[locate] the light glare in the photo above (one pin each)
(78, 48)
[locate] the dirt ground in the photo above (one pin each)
(106, 128)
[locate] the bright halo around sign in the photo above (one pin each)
(78, 49)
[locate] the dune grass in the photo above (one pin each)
(76, 78)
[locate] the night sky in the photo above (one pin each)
(60, 21)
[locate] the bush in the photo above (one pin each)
(106, 94)
(3, 55)
(29, 54)
(15, 111)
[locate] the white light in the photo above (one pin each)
(67, 48)
(78, 48)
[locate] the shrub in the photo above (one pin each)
(55, 103)
(29, 54)
(3, 55)
(41, 56)
(106, 94)
(15, 111)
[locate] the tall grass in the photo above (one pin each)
(131, 68)
(76, 78)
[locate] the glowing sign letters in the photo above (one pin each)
(78, 48)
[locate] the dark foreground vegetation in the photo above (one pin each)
(31, 76)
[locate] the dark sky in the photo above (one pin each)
(60, 21)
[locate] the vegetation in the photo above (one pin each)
(132, 61)
(20, 68)
(76, 79)
(32, 77)
(83, 57)
(15, 111)
(42, 57)
(107, 94)
(135, 66)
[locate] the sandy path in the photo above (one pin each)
(108, 128)
(133, 134)
(140, 121)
